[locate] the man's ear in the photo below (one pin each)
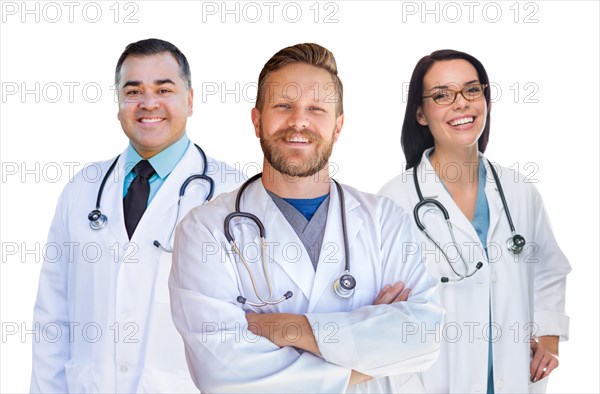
(190, 102)
(255, 114)
(339, 123)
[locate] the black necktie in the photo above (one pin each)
(136, 199)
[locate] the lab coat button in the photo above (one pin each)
(493, 277)
(124, 315)
(124, 369)
(500, 384)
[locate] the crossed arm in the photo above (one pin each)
(269, 326)
(377, 340)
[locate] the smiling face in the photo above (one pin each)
(460, 124)
(154, 103)
(297, 124)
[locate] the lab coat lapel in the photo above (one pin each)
(112, 201)
(433, 187)
(159, 218)
(493, 197)
(283, 243)
(332, 258)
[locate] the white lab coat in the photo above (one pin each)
(526, 291)
(103, 304)
(207, 277)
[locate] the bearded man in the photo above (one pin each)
(295, 283)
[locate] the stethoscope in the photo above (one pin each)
(343, 286)
(514, 243)
(98, 220)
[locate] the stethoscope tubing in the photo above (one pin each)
(98, 220)
(517, 240)
(110, 170)
(344, 289)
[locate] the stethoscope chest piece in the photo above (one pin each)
(97, 219)
(516, 243)
(344, 286)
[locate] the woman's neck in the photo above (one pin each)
(458, 166)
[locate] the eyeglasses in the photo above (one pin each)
(446, 96)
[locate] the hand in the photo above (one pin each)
(267, 325)
(284, 329)
(390, 294)
(545, 357)
(357, 377)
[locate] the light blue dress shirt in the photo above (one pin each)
(481, 219)
(163, 163)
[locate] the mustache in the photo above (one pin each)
(149, 114)
(287, 133)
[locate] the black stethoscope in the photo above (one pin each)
(514, 243)
(98, 220)
(343, 286)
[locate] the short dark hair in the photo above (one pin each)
(312, 54)
(417, 138)
(154, 46)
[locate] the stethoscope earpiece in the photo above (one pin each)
(344, 286)
(445, 279)
(97, 219)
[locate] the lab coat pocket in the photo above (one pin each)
(78, 377)
(540, 386)
(161, 284)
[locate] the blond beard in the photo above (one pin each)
(279, 162)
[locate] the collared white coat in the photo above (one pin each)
(526, 291)
(103, 304)
(381, 341)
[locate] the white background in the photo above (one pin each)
(552, 61)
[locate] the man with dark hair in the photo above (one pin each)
(102, 306)
(308, 286)
(153, 46)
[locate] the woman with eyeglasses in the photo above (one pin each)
(483, 232)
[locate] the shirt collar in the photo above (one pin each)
(164, 162)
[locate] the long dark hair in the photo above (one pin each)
(417, 138)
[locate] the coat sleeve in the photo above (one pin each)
(222, 355)
(383, 340)
(51, 351)
(550, 275)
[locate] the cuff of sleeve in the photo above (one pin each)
(336, 345)
(552, 323)
(333, 378)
